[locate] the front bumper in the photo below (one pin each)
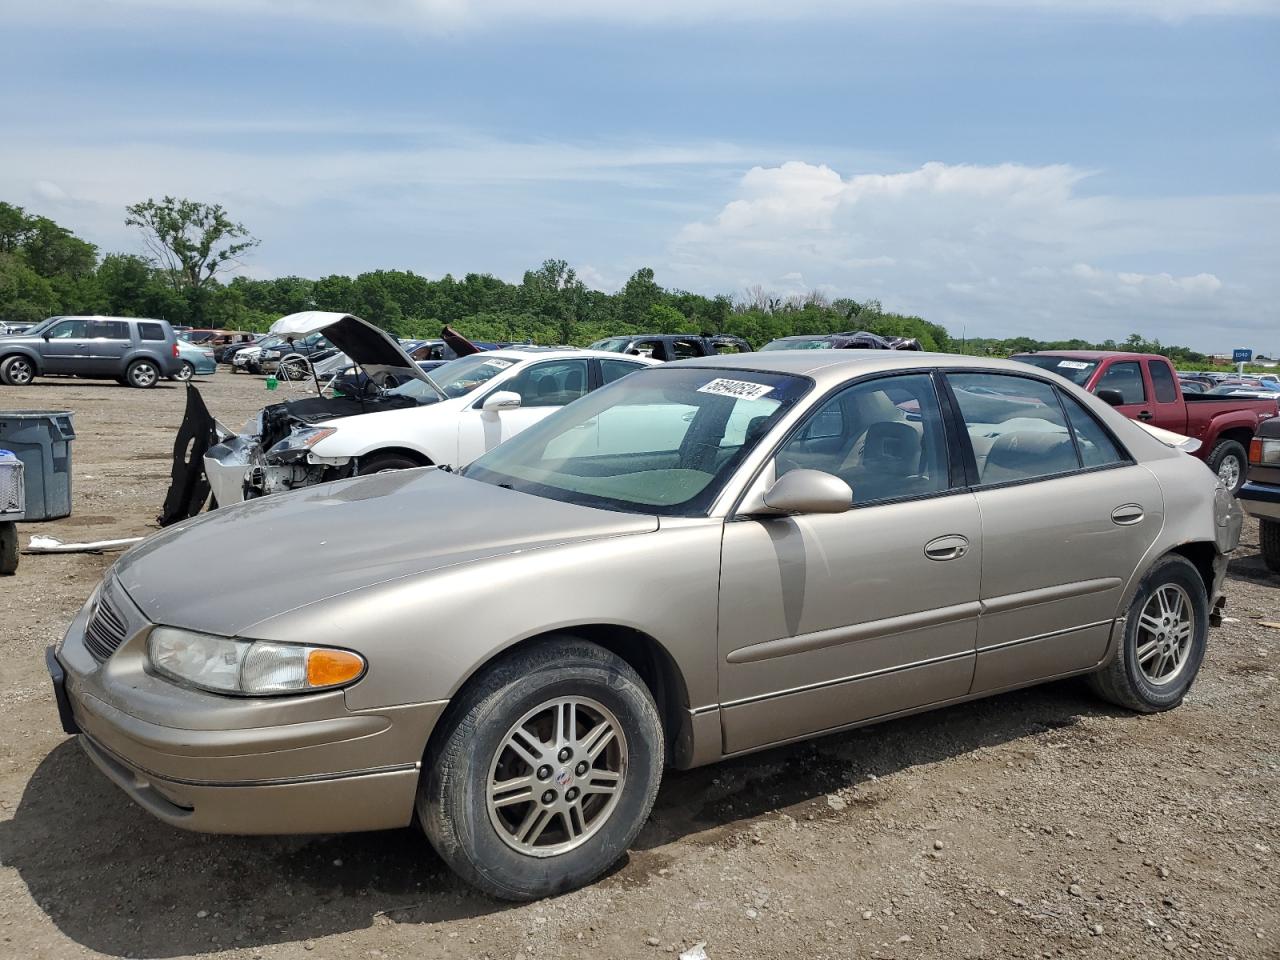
(216, 764)
(1261, 500)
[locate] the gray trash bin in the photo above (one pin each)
(42, 441)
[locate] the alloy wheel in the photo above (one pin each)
(1166, 627)
(21, 372)
(1229, 471)
(143, 375)
(186, 372)
(557, 776)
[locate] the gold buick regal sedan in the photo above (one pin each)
(697, 561)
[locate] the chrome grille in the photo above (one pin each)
(106, 629)
(12, 492)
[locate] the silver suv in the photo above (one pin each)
(134, 352)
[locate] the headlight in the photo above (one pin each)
(249, 667)
(1263, 450)
(303, 438)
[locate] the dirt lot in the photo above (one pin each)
(1037, 824)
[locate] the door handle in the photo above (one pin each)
(1128, 515)
(950, 547)
(1145, 415)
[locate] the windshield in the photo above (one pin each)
(612, 345)
(1077, 371)
(658, 441)
(803, 343)
(456, 378)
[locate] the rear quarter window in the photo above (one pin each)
(151, 331)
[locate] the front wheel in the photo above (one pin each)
(385, 463)
(1165, 635)
(1229, 461)
(17, 372)
(545, 770)
(142, 374)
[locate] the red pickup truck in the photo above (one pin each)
(1145, 387)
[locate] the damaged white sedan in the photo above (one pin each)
(446, 418)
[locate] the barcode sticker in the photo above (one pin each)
(1073, 364)
(737, 389)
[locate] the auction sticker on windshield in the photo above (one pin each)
(1073, 364)
(738, 389)
(500, 364)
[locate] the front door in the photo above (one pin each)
(543, 388)
(66, 346)
(827, 620)
(1066, 518)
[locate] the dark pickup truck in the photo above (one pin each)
(1261, 495)
(1144, 386)
(673, 346)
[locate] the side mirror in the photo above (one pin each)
(501, 400)
(1113, 397)
(808, 491)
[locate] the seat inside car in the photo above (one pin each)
(1022, 454)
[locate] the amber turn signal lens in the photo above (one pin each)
(1255, 450)
(326, 668)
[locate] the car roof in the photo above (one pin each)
(1088, 354)
(551, 353)
(835, 366)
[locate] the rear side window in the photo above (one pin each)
(1096, 447)
(1015, 425)
(151, 331)
(109, 330)
(611, 370)
(1126, 378)
(1162, 382)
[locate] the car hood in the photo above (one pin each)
(371, 347)
(227, 570)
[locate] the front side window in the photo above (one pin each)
(1162, 381)
(1126, 379)
(69, 330)
(1015, 425)
(551, 384)
(883, 437)
(662, 441)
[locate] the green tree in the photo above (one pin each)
(191, 241)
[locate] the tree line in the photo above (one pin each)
(45, 269)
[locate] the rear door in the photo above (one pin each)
(1066, 518)
(1166, 406)
(108, 342)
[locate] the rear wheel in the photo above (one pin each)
(17, 371)
(1164, 641)
(1269, 535)
(142, 374)
(185, 372)
(545, 771)
(1229, 461)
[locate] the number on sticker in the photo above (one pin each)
(1073, 364)
(737, 389)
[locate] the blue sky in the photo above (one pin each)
(1068, 167)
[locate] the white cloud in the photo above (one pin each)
(1001, 250)
(452, 15)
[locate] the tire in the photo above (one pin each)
(386, 462)
(185, 372)
(8, 548)
(17, 371)
(1269, 536)
(1230, 462)
(480, 842)
(1128, 680)
(142, 374)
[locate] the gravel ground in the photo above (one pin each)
(1035, 824)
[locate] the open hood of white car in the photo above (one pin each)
(375, 350)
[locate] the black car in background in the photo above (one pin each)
(673, 346)
(859, 340)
